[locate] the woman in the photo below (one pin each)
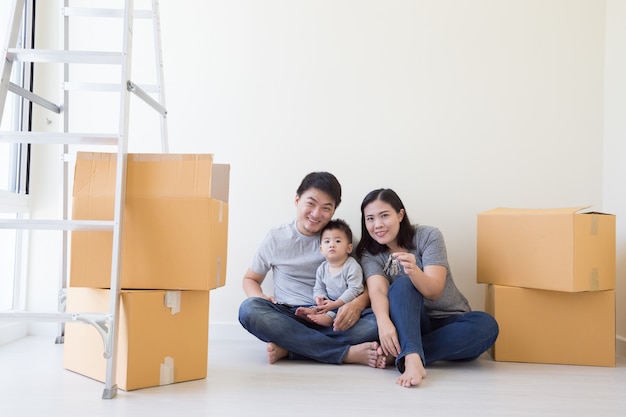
(421, 315)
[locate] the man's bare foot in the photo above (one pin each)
(275, 353)
(414, 371)
(306, 312)
(364, 354)
(322, 319)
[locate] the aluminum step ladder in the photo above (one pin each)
(105, 323)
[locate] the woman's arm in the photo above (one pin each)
(378, 290)
(430, 282)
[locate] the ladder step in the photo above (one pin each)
(75, 225)
(54, 316)
(59, 138)
(61, 56)
(101, 12)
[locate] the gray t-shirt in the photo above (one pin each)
(431, 250)
(346, 284)
(293, 259)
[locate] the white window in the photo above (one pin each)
(13, 178)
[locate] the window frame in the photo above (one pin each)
(14, 199)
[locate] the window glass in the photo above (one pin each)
(7, 237)
(10, 203)
(7, 118)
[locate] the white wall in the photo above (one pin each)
(460, 106)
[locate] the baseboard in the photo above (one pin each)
(217, 330)
(229, 331)
(620, 346)
(10, 332)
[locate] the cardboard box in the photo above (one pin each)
(163, 337)
(554, 327)
(175, 226)
(552, 249)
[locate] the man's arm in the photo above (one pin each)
(252, 285)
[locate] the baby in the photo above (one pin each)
(339, 278)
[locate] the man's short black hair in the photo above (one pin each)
(324, 181)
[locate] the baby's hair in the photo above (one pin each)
(338, 224)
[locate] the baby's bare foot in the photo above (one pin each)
(322, 319)
(306, 312)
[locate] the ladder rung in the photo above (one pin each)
(61, 56)
(59, 138)
(115, 87)
(100, 12)
(54, 316)
(36, 224)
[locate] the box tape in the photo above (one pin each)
(172, 300)
(166, 375)
(595, 220)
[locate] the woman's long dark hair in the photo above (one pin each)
(405, 234)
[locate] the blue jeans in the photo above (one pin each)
(304, 340)
(459, 337)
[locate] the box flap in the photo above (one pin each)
(169, 175)
(147, 175)
(522, 211)
(220, 181)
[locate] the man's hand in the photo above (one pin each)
(347, 316)
(350, 313)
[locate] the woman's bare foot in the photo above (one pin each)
(275, 353)
(364, 354)
(414, 371)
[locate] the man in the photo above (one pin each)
(291, 252)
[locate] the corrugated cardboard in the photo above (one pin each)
(156, 344)
(175, 228)
(552, 249)
(555, 327)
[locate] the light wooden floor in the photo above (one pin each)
(240, 383)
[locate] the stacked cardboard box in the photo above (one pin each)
(551, 284)
(174, 243)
